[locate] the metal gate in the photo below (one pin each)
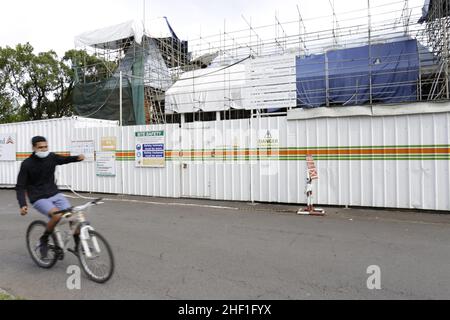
(195, 164)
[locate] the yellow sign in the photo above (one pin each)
(153, 162)
(268, 139)
(108, 144)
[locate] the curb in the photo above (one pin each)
(204, 203)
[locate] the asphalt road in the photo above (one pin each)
(166, 249)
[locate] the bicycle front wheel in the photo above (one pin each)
(100, 266)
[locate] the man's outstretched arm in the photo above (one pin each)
(65, 160)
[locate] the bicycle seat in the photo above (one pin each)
(64, 211)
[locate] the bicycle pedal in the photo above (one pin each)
(59, 253)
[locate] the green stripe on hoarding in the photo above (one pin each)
(302, 159)
(299, 149)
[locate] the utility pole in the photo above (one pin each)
(370, 50)
(120, 97)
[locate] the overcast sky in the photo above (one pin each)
(53, 24)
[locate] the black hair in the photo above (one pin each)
(37, 139)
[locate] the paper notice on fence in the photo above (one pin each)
(8, 143)
(106, 164)
(87, 148)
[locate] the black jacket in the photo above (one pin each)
(37, 177)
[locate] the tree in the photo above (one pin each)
(34, 80)
(88, 68)
(9, 110)
(39, 86)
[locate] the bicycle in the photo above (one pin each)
(92, 244)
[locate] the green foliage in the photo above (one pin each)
(39, 86)
(6, 296)
(88, 68)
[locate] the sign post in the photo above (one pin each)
(311, 174)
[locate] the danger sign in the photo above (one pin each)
(311, 167)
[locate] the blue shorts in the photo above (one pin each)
(57, 201)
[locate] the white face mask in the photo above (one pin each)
(43, 154)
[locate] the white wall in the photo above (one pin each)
(397, 161)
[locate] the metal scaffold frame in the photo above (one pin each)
(437, 31)
(370, 26)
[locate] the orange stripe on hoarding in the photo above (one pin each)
(276, 152)
(367, 151)
(285, 152)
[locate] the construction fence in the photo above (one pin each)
(385, 159)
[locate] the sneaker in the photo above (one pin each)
(59, 253)
(43, 248)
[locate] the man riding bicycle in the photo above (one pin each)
(37, 179)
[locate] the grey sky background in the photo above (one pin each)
(53, 24)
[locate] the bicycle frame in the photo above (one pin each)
(76, 220)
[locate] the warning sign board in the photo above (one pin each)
(150, 149)
(312, 170)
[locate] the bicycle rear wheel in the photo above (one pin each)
(34, 232)
(100, 267)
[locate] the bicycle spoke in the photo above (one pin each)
(100, 265)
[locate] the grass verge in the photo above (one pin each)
(6, 296)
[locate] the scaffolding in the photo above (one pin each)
(148, 66)
(201, 80)
(437, 32)
(154, 105)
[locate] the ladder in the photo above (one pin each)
(153, 104)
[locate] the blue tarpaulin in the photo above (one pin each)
(392, 67)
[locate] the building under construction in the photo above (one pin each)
(133, 91)
(392, 54)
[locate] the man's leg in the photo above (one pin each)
(47, 208)
(62, 203)
(76, 239)
(54, 219)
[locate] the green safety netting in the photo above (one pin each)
(101, 99)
